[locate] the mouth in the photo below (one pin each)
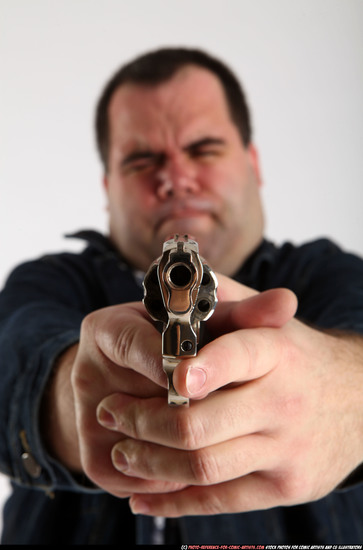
(183, 211)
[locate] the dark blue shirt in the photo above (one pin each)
(41, 309)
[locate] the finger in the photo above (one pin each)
(117, 346)
(110, 339)
(221, 417)
(257, 491)
(272, 308)
(123, 486)
(231, 291)
(126, 336)
(99, 468)
(236, 357)
(208, 466)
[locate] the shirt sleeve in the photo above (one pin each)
(41, 310)
(329, 286)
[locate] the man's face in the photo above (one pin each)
(177, 165)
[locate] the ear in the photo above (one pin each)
(105, 185)
(105, 182)
(255, 163)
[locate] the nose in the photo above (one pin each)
(176, 179)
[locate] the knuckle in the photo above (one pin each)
(95, 469)
(80, 384)
(140, 464)
(124, 344)
(139, 458)
(204, 468)
(113, 333)
(293, 487)
(249, 353)
(88, 323)
(189, 431)
(210, 504)
(133, 423)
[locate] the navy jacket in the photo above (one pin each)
(41, 309)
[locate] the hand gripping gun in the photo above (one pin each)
(180, 291)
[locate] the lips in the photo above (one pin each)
(183, 210)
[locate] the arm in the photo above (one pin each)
(117, 372)
(50, 349)
(35, 328)
(41, 311)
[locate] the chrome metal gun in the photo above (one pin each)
(180, 291)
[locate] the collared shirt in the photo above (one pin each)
(41, 309)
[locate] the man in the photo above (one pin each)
(270, 448)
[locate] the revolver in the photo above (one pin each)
(180, 291)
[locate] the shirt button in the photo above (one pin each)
(31, 465)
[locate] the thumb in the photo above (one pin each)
(272, 308)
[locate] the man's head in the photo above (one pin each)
(158, 66)
(178, 159)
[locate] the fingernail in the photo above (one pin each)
(195, 381)
(119, 460)
(106, 418)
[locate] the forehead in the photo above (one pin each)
(191, 99)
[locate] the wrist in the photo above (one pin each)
(57, 414)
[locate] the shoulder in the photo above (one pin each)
(294, 265)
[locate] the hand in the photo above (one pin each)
(283, 428)
(119, 351)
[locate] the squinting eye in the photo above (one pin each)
(140, 165)
(207, 152)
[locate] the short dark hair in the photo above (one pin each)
(159, 66)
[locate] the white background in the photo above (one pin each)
(301, 63)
